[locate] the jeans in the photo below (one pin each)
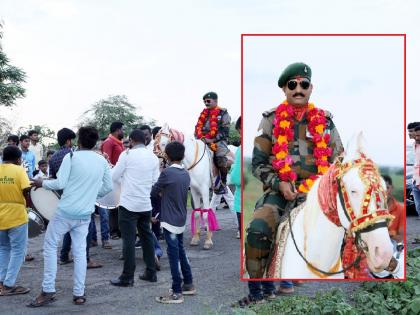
(130, 222)
(158, 249)
(13, 244)
(177, 257)
(57, 227)
(416, 195)
(114, 229)
(104, 219)
(258, 288)
(66, 247)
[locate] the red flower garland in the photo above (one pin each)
(283, 131)
(212, 114)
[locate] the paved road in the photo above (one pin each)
(216, 275)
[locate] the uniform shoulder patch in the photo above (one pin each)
(269, 112)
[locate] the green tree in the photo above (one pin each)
(234, 136)
(46, 136)
(11, 78)
(5, 131)
(114, 108)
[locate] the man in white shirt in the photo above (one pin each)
(138, 170)
(35, 146)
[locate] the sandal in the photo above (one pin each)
(93, 265)
(65, 262)
(79, 300)
(15, 290)
(43, 299)
(29, 257)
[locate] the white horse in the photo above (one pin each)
(319, 240)
(198, 162)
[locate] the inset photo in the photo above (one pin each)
(323, 157)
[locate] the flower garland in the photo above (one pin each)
(212, 114)
(283, 131)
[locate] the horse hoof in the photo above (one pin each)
(208, 246)
(194, 242)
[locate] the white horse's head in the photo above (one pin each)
(164, 136)
(362, 204)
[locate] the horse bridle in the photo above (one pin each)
(160, 153)
(364, 223)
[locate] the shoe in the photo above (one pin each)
(188, 289)
(171, 298)
(138, 245)
(122, 283)
(93, 243)
(93, 265)
(115, 237)
(106, 245)
(14, 290)
(29, 257)
(269, 297)
(148, 277)
(282, 290)
(42, 299)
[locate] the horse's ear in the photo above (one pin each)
(355, 147)
(165, 127)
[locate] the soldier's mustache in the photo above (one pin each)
(298, 94)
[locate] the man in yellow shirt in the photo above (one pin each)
(14, 183)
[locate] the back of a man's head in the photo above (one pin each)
(11, 153)
(65, 134)
(175, 151)
(88, 136)
(137, 136)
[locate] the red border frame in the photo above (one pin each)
(242, 173)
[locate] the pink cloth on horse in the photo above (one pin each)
(177, 135)
(213, 224)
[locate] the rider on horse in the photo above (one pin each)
(293, 139)
(213, 128)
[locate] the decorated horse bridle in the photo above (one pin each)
(158, 150)
(366, 221)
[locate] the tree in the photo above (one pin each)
(5, 131)
(46, 135)
(11, 78)
(113, 108)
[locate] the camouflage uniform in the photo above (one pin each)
(270, 207)
(221, 138)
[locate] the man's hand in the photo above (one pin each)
(286, 189)
(37, 183)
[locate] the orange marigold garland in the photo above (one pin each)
(283, 131)
(212, 114)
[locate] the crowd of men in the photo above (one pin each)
(80, 172)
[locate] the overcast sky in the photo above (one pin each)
(164, 55)
(358, 79)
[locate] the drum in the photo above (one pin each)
(36, 224)
(45, 202)
(112, 199)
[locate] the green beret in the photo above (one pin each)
(210, 95)
(298, 69)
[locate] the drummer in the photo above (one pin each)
(84, 175)
(13, 220)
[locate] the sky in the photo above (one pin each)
(164, 55)
(360, 80)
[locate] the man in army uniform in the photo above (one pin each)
(295, 81)
(220, 138)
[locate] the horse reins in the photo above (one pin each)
(195, 162)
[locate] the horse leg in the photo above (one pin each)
(208, 243)
(196, 237)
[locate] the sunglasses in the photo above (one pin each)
(207, 101)
(304, 84)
